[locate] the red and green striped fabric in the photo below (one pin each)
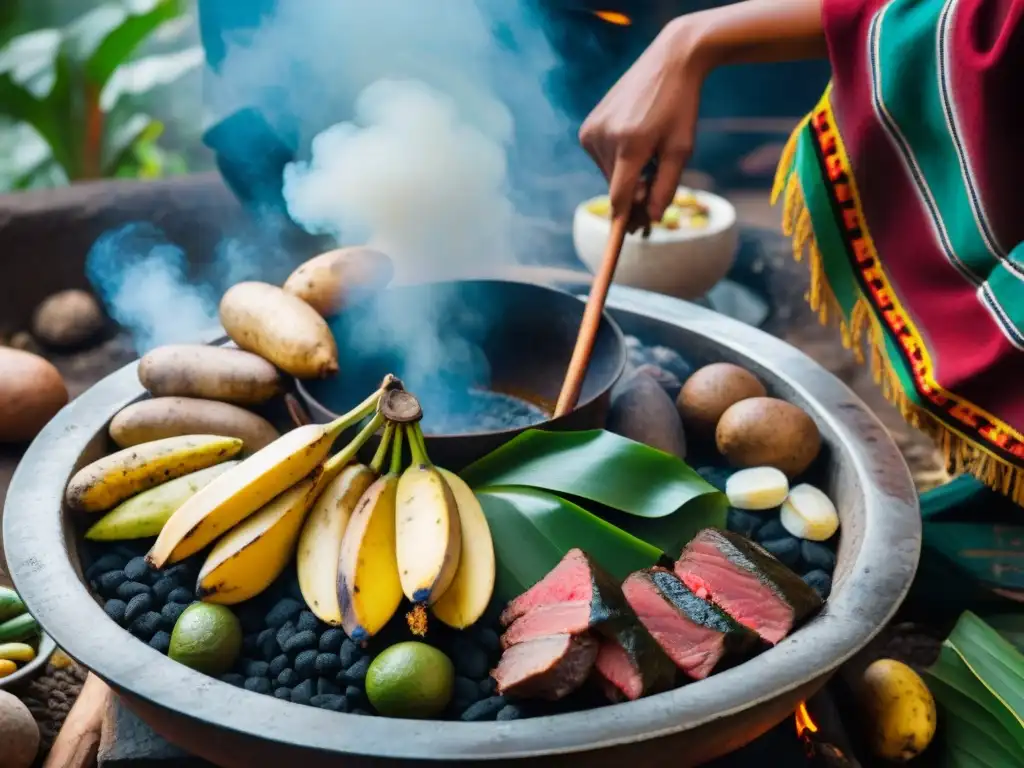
(903, 185)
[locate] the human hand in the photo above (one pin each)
(650, 113)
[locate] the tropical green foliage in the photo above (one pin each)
(68, 95)
(643, 503)
(978, 684)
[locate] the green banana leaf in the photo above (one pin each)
(649, 493)
(532, 530)
(978, 684)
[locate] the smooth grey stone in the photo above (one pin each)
(642, 411)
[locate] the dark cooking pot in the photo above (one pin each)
(447, 339)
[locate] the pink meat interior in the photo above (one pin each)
(570, 618)
(614, 666)
(740, 593)
(569, 581)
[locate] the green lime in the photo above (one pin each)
(410, 680)
(207, 638)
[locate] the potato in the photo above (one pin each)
(333, 280)
(19, 734)
(281, 328)
(31, 393)
(162, 417)
(767, 432)
(900, 710)
(709, 392)
(642, 411)
(211, 373)
(67, 319)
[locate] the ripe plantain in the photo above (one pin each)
(320, 541)
(428, 529)
(470, 592)
(369, 591)
(110, 480)
(144, 515)
(235, 495)
(252, 555)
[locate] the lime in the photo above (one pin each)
(410, 680)
(206, 638)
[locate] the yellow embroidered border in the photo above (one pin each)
(962, 454)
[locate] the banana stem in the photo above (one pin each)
(357, 414)
(418, 445)
(396, 454)
(382, 450)
(341, 459)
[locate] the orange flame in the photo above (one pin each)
(804, 722)
(614, 17)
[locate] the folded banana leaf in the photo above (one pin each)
(650, 494)
(978, 684)
(532, 530)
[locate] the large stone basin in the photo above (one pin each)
(878, 554)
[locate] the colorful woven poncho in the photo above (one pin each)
(903, 187)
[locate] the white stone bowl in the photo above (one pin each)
(684, 263)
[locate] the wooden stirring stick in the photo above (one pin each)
(580, 361)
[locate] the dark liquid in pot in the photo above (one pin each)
(481, 410)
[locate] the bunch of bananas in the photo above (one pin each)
(364, 539)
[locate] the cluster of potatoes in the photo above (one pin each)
(729, 405)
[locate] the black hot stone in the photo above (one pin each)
(258, 685)
(137, 569)
(131, 589)
(284, 610)
(137, 606)
(349, 653)
(333, 702)
(288, 678)
(115, 609)
(269, 648)
(469, 658)
(172, 611)
(181, 595)
(817, 556)
(355, 696)
(283, 693)
(771, 531)
(266, 636)
(487, 709)
(146, 625)
(742, 522)
(715, 476)
(303, 692)
(110, 581)
(256, 669)
(162, 588)
(233, 678)
(510, 712)
(305, 664)
(182, 572)
(488, 686)
(300, 641)
(488, 639)
(161, 641)
(357, 672)
(307, 622)
(671, 361)
(278, 665)
(284, 633)
(328, 664)
(325, 687)
(664, 378)
(786, 550)
(465, 691)
(109, 562)
(820, 581)
(331, 640)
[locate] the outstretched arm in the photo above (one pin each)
(652, 110)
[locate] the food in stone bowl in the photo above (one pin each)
(389, 586)
(686, 254)
(24, 648)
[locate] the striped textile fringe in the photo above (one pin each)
(864, 330)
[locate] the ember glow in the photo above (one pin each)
(804, 722)
(614, 17)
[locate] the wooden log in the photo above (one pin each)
(78, 742)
